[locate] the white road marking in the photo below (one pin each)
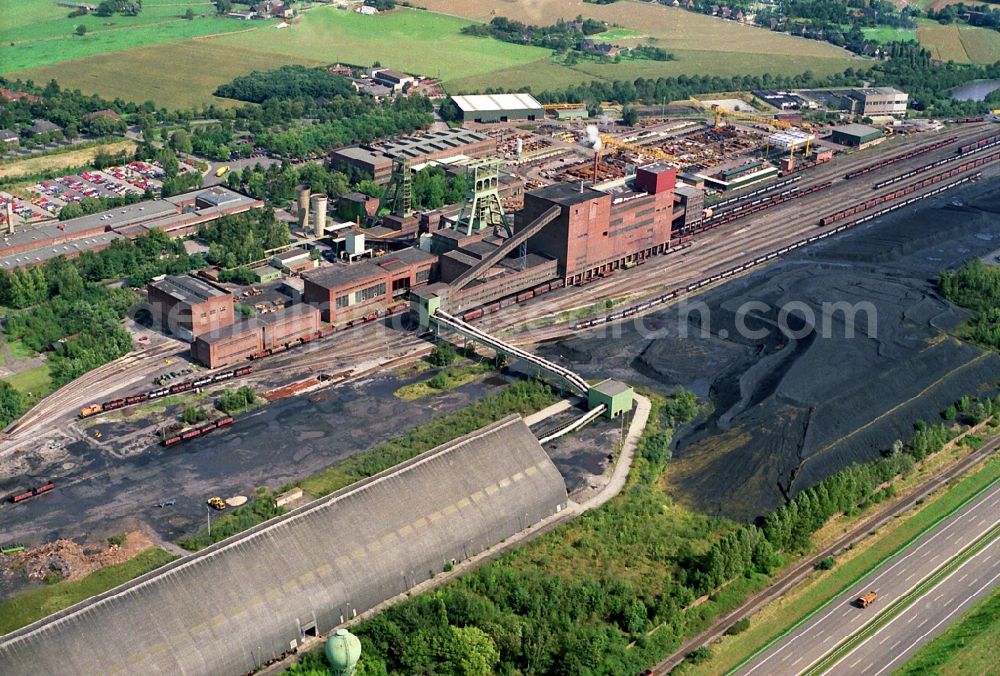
(856, 662)
(963, 577)
(915, 552)
(927, 633)
(926, 620)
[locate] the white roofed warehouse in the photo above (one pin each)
(499, 107)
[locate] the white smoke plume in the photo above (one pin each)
(593, 138)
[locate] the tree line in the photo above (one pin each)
(976, 286)
(912, 71)
(560, 36)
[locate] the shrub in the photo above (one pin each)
(738, 627)
(443, 354)
(117, 540)
(824, 564)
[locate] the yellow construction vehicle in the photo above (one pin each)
(216, 503)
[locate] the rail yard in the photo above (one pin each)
(754, 227)
(670, 211)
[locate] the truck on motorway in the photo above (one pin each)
(866, 600)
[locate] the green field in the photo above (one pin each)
(38, 32)
(33, 383)
(961, 44)
(24, 609)
(545, 75)
(890, 34)
(411, 40)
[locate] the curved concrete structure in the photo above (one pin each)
(248, 599)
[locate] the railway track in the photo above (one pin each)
(713, 251)
(727, 245)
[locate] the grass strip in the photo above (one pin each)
(903, 602)
(939, 503)
(23, 609)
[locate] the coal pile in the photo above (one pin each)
(861, 352)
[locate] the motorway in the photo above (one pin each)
(893, 644)
(904, 634)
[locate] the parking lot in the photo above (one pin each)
(50, 196)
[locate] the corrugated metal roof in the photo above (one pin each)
(245, 600)
(475, 103)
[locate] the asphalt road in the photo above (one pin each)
(815, 638)
(889, 647)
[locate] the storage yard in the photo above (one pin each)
(537, 240)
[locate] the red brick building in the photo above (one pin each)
(187, 306)
(252, 337)
(344, 293)
(603, 229)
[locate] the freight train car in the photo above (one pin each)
(134, 399)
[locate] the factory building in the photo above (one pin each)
(855, 135)
(605, 227)
(175, 216)
(254, 336)
(880, 101)
(346, 292)
(689, 207)
(293, 261)
(393, 79)
(512, 275)
(499, 107)
(187, 306)
(236, 605)
(375, 160)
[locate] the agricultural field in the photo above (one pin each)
(884, 34)
(431, 44)
(39, 32)
(671, 27)
(962, 44)
(545, 75)
(197, 67)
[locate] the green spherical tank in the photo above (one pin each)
(343, 650)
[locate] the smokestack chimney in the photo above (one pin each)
(304, 208)
(319, 214)
(10, 217)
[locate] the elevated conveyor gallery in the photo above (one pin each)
(508, 245)
(574, 381)
(232, 607)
